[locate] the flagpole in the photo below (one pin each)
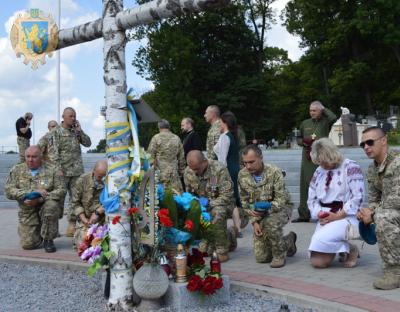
(58, 64)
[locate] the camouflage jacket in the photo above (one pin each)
(384, 183)
(20, 182)
(212, 139)
(271, 188)
(48, 148)
(167, 153)
(215, 184)
(85, 195)
(68, 150)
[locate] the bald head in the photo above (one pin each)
(51, 125)
(33, 157)
(197, 162)
(212, 113)
(100, 170)
(69, 117)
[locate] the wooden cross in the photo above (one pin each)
(111, 27)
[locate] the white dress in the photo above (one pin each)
(347, 186)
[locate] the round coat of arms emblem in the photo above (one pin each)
(34, 35)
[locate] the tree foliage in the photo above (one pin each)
(352, 59)
(354, 48)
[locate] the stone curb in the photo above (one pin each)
(300, 300)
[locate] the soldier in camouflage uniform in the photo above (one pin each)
(212, 117)
(384, 204)
(67, 139)
(38, 217)
(49, 153)
(208, 178)
(85, 200)
(47, 145)
(167, 153)
(261, 183)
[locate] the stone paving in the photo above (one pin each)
(351, 287)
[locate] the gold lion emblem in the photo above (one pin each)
(34, 35)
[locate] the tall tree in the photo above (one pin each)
(352, 45)
(208, 58)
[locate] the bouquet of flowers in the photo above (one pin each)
(201, 278)
(185, 219)
(95, 248)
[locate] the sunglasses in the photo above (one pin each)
(369, 142)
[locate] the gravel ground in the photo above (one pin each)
(37, 288)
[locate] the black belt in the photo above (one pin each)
(335, 206)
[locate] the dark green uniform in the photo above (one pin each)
(320, 128)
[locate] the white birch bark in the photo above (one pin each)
(140, 15)
(121, 290)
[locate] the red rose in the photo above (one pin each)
(208, 286)
(218, 283)
(163, 212)
(195, 283)
(132, 211)
(116, 219)
(189, 225)
(166, 221)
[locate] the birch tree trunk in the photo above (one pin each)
(121, 291)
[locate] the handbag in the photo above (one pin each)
(352, 232)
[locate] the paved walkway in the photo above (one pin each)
(351, 287)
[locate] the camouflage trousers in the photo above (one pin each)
(23, 144)
(37, 223)
(69, 185)
(272, 243)
(388, 234)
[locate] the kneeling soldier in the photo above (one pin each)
(85, 200)
(267, 202)
(208, 178)
(38, 190)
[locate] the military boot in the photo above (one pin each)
(389, 280)
(292, 249)
(70, 230)
(49, 246)
(277, 262)
(232, 238)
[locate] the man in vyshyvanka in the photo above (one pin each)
(38, 190)
(314, 128)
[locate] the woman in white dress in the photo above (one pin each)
(335, 195)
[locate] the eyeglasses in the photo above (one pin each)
(369, 142)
